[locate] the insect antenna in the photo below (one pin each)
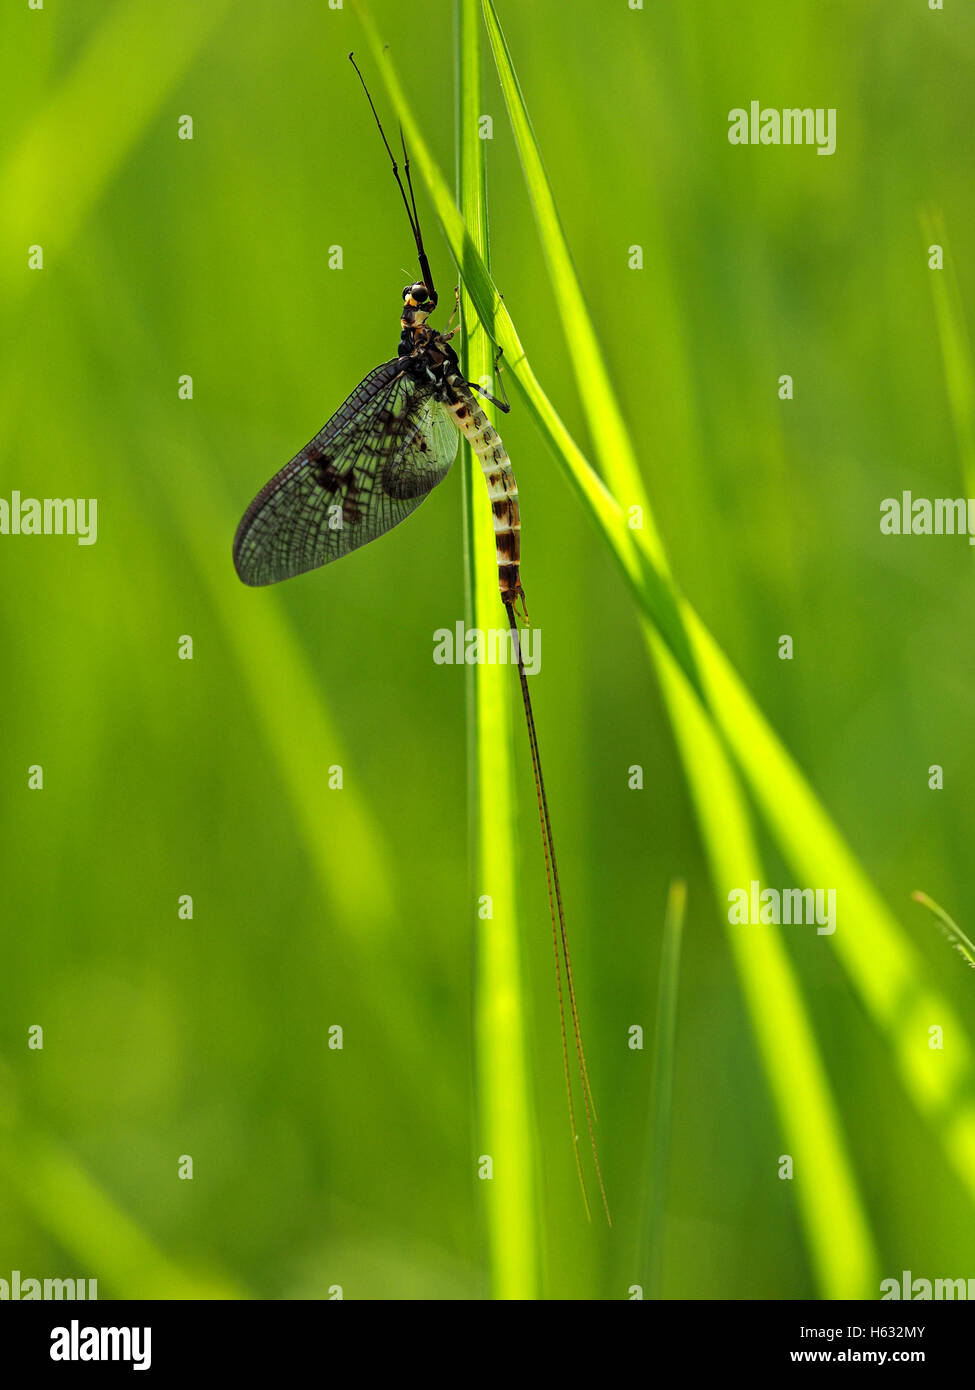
(409, 181)
(411, 213)
(559, 939)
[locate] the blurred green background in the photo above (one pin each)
(314, 907)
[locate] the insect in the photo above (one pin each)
(382, 452)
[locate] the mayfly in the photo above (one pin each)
(382, 452)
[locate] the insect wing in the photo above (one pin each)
(364, 472)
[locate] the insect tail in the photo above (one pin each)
(559, 940)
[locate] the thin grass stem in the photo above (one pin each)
(953, 932)
(505, 1111)
(664, 1059)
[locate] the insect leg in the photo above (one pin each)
(504, 404)
(448, 334)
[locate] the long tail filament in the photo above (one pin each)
(559, 939)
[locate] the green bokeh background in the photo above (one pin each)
(314, 907)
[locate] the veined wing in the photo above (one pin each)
(363, 473)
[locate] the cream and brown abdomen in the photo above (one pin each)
(502, 488)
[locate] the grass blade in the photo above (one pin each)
(664, 1055)
(953, 932)
(837, 1232)
(956, 351)
(505, 1112)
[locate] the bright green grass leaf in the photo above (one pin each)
(506, 1123)
(664, 1065)
(956, 350)
(953, 932)
(838, 1236)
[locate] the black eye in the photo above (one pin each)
(420, 294)
(407, 291)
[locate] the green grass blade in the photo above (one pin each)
(956, 351)
(505, 1125)
(664, 1056)
(886, 969)
(603, 414)
(953, 932)
(837, 1232)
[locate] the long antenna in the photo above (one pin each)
(411, 214)
(559, 938)
(409, 181)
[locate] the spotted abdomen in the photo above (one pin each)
(502, 488)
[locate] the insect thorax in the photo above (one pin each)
(429, 358)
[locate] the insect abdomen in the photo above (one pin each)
(502, 489)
